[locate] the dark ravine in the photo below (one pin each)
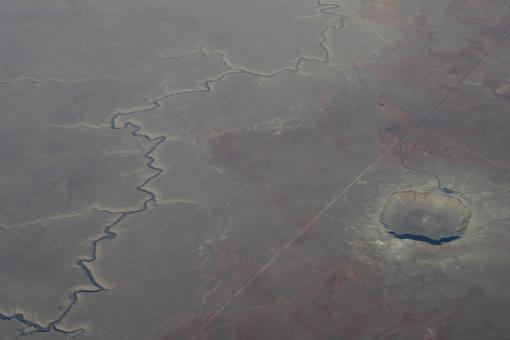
(32, 327)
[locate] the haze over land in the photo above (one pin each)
(217, 169)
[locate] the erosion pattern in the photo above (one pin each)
(224, 172)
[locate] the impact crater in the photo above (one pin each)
(431, 217)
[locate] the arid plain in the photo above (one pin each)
(217, 170)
